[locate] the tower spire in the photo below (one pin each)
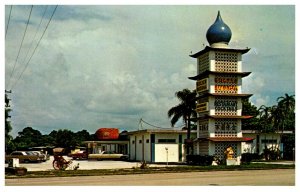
(218, 34)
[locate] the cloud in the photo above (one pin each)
(109, 66)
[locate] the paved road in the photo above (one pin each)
(275, 177)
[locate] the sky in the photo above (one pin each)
(109, 66)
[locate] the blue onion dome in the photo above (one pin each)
(218, 32)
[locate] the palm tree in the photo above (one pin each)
(285, 113)
(287, 102)
(286, 110)
(185, 110)
(280, 116)
(265, 118)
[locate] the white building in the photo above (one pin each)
(158, 145)
(262, 140)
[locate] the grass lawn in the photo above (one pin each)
(183, 168)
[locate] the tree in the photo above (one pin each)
(285, 120)
(185, 110)
(65, 138)
(285, 113)
(265, 119)
(279, 117)
(249, 109)
(28, 137)
(83, 135)
(8, 138)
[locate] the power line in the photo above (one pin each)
(21, 44)
(35, 47)
(38, 28)
(8, 21)
(141, 120)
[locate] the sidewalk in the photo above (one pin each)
(276, 162)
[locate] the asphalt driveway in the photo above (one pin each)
(84, 164)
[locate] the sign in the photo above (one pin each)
(225, 126)
(225, 105)
(202, 107)
(202, 85)
(226, 84)
(226, 88)
(226, 80)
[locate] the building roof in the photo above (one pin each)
(159, 131)
(108, 142)
(205, 116)
(208, 48)
(256, 132)
(201, 95)
(229, 139)
(230, 117)
(207, 72)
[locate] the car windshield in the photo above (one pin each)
(16, 153)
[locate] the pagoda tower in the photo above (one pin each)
(219, 95)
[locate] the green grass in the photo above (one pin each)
(176, 169)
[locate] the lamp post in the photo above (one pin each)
(294, 155)
(167, 154)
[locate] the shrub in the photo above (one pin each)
(203, 160)
(272, 154)
(248, 157)
(16, 170)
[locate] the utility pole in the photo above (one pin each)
(7, 99)
(8, 127)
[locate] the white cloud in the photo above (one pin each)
(109, 66)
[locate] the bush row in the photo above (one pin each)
(248, 157)
(203, 160)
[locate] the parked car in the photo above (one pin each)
(79, 155)
(23, 156)
(108, 156)
(42, 156)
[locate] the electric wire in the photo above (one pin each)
(35, 47)
(141, 120)
(37, 30)
(21, 44)
(8, 21)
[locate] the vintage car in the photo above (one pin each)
(24, 157)
(42, 156)
(107, 156)
(79, 155)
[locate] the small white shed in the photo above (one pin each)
(157, 145)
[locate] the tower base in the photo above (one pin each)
(232, 162)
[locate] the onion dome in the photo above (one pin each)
(218, 32)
